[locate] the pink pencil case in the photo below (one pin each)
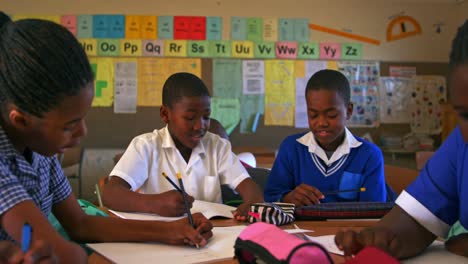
(265, 243)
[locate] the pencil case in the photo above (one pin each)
(272, 213)
(266, 243)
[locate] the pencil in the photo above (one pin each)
(362, 189)
(26, 237)
(171, 182)
(187, 209)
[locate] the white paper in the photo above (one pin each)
(125, 87)
(220, 246)
(395, 96)
(253, 77)
(208, 209)
(301, 120)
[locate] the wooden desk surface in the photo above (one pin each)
(320, 228)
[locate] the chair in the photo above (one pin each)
(72, 164)
(259, 176)
(398, 177)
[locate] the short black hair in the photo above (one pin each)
(459, 53)
(40, 63)
(330, 80)
(182, 84)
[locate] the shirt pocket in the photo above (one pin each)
(212, 189)
(350, 181)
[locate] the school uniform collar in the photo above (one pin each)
(343, 149)
(168, 142)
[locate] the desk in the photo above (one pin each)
(320, 227)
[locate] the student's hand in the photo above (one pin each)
(458, 244)
(303, 195)
(241, 212)
(183, 233)
(40, 252)
(172, 203)
(351, 242)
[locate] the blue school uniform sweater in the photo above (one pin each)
(296, 164)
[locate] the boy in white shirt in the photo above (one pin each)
(184, 146)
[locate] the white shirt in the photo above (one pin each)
(211, 164)
(343, 149)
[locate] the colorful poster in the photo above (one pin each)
(227, 78)
(363, 78)
(429, 93)
(279, 92)
(226, 111)
(253, 77)
(103, 69)
(395, 96)
(125, 84)
(152, 73)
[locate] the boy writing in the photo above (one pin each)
(439, 196)
(204, 159)
(329, 157)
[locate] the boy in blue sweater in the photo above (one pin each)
(329, 157)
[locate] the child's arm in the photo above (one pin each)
(85, 228)
(458, 244)
(39, 252)
(250, 193)
(117, 195)
(397, 233)
(12, 222)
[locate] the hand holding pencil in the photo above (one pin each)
(174, 204)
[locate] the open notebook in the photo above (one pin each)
(208, 209)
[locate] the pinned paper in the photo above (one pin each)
(395, 96)
(227, 111)
(116, 26)
(308, 50)
(71, 23)
(133, 27)
(130, 47)
(108, 47)
(153, 48)
(252, 106)
(242, 49)
(351, 51)
(270, 29)
(89, 46)
(198, 49)
(101, 26)
(197, 28)
(175, 48)
(286, 50)
(330, 51)
(149, 27)
(253, 77)
(265, 50)
(125, 84)
(299, 69)
(286, 29)
(254, 29)
(103, 69)
(279, 92)
(220, 49)
(165, 27)
(214, 28)
(181, 27)
(227, 78)
(85, 26)
(238, 28)
(301, 29)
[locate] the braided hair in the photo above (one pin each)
(40, 63)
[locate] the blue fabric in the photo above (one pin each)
(42, 180)
(442, 186)
(362, 167)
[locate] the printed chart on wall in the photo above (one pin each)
(428, 95)
(395, 94)
(364, 81)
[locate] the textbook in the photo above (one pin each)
(208, 209)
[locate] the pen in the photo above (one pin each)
(98, 194)
(362, 189)
(26, 237)
(171, 182)
(184, 195)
